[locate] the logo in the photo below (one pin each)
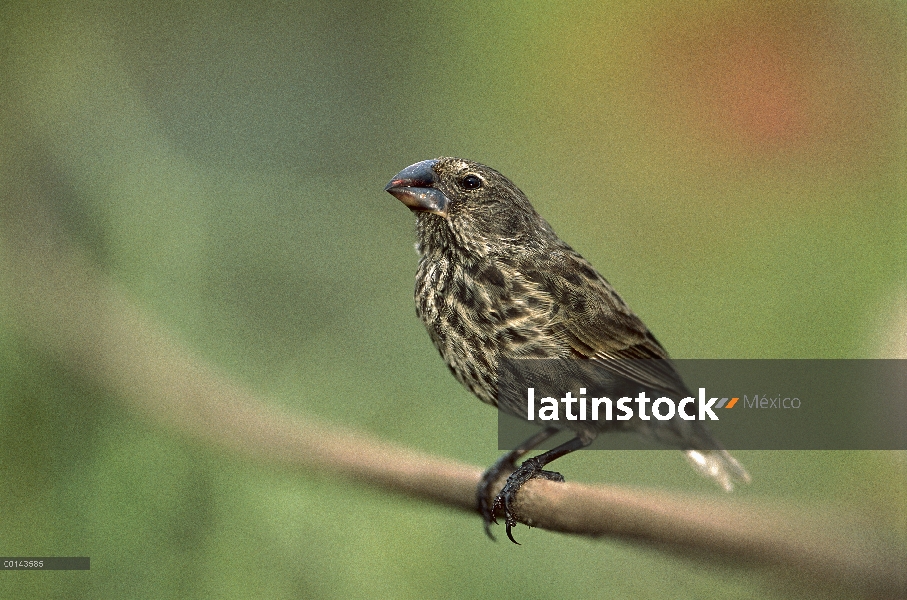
(595, 409)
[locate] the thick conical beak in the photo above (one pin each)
(414, 186)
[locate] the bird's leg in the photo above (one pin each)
(531, 469)
(505, 464)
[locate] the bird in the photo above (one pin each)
(495, 285)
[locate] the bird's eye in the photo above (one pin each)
(471, 182)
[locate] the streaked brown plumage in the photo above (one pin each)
(495, 282)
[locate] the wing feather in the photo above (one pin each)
(597, 324)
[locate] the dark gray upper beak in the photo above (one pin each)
(414, 186)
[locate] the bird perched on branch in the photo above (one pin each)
(495, 283)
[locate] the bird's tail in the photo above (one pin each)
(719, 465)
(702, 450)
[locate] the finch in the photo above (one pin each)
(496, 283)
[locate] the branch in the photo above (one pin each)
(63, 304)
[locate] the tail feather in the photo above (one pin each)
(719, 465)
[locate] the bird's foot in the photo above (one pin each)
(531, 469)
(503, 465)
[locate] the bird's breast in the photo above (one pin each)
(478, 312)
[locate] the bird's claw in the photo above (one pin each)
(507, 496)
(483, 493)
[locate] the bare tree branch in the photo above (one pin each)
(62, 303)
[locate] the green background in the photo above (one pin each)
(737, 172)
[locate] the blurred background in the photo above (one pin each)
(737, 170)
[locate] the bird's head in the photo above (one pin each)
(463, 203)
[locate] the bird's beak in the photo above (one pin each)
(414, 186)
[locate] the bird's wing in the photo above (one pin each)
(598, 325)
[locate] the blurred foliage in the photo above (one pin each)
(736, 170)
